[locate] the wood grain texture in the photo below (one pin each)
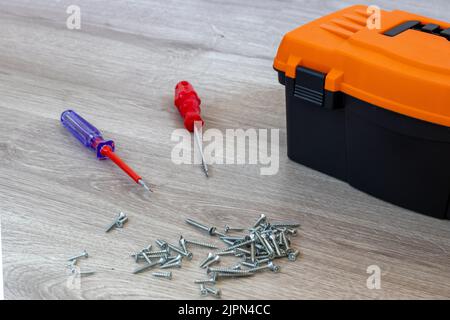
(119, 71)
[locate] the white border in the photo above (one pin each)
(2, 297)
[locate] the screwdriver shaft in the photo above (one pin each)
(200, 148)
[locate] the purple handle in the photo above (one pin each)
(85, 132)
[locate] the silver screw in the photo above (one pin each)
(248, 264)
(285, 240)
(293, 232)
(161, 243)
(174, 259)
(275, 244)
(182, 242)
(226, 270)
(84, 254)
(186, 254)
(215, 292)
(228, 229)
(176, 264)
(86, 273)
(252, 248)
(201, 244)
(241, 244)
(203, 290)
(167, 275)
(119, 217)
(285, 225)
(210, 230)
(146, 258)
(270, 265)
(260, 220)
(209, 257)
(210, 262)
(234, 275)
(211, 281)
(267, 244)
(292, 256)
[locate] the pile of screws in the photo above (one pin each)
(73, 262)
(257, 250)
(168, 256)
(118, 222)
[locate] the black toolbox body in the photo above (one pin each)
(393, 156)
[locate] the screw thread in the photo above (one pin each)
(167, 275)
(201, 244)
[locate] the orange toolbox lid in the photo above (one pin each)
(400, 66)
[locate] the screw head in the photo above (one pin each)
(212, 231)
(189, 255)
(274, 267)
(203, 290)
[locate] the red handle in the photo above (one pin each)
(188, 104)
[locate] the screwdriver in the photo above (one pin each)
(188, 104)
(91, 137)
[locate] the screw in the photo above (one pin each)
(175, 259)
(226, 270)
(233, 238)
(84, 254)
(292, 256)
(270, 265)
(211, 281)
(252, 248)
(285, 225)
(186, 254)
(228, 228)
(86, 273)
(234, 275)
(161, 243)
(176, 264)
(293, 232)
(210, 262)
(285, 241)
(273, 237)
(167, 275)
(260, 220)
(246, 252)
(241, 244)
(248, 264)
(260, 239)
(201, 244)
(203, 290)
(182, 242)
(266, 243)
(215, 292)
(228, 242)
(146, 258)
(209, 257)
(120, 216)
(121, 222)
(210, 230)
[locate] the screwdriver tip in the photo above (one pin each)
(142, 183)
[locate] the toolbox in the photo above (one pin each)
(372, 106)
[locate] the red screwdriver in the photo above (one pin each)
(188, 104)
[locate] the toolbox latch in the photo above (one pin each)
(310, 86)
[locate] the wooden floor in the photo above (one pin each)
(119, 71)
